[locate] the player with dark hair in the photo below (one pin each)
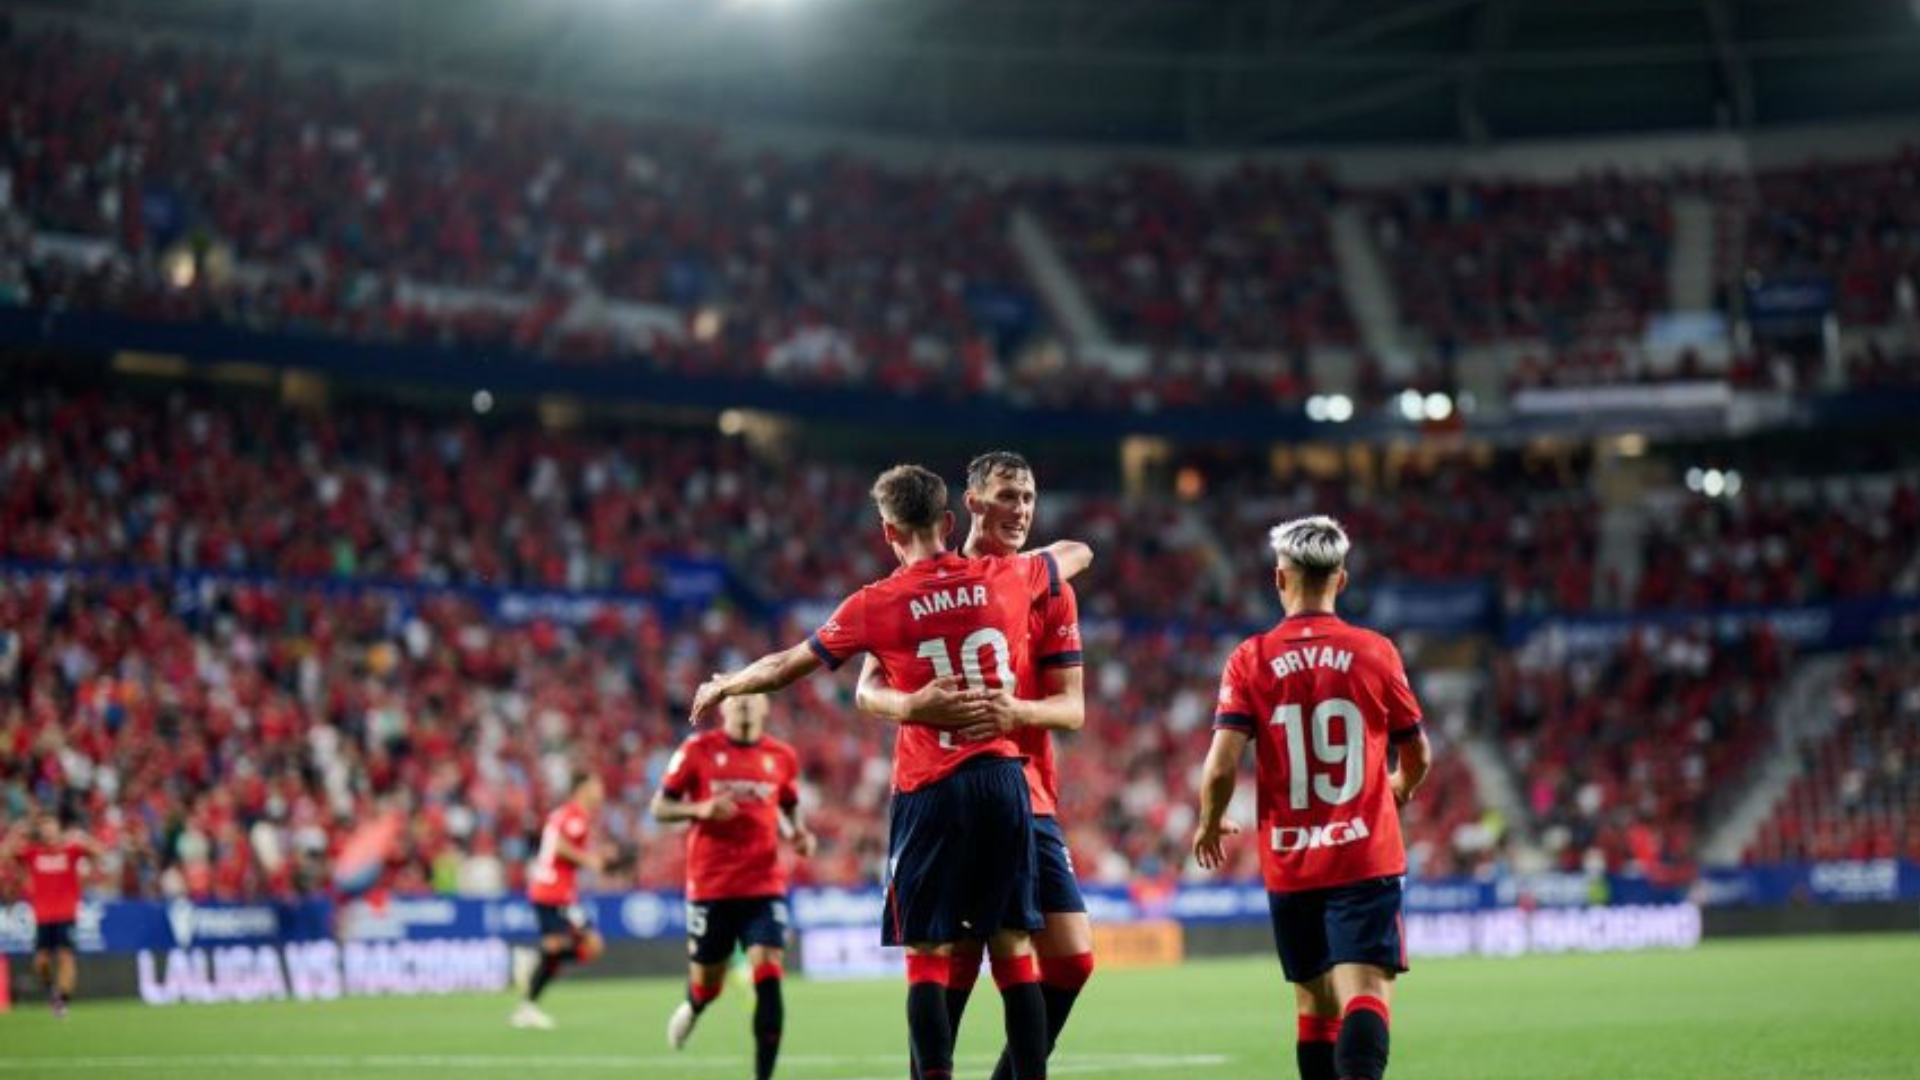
(960, 860)
(566, 934)
(1322, 701)
(1001, 498)
(739, 787)
(52, 856)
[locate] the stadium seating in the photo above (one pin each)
(1859, 797)
(1625, 750)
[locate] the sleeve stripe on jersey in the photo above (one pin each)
(1071, 658)
(1233, 721)
(1053, 573)
(826, 657)
(1405, 734)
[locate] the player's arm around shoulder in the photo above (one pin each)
(1070, 557)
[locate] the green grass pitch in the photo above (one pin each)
(1787, 1009)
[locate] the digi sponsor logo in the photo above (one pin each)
(1291, 838)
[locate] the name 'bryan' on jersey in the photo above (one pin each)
(1323, 656)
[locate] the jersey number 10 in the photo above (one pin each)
(1349, 754)
(972, 671)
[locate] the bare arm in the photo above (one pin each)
(1217, 778)
(774, 671)
(1063, 709)
(797, 831)
(1071, 556)
(944, 702)
(1416, 758)
(95, 849)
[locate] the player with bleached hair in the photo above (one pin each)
(1322, 701)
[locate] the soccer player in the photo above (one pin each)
(52, 857)
(1001, 499)
(566, 845)
(739, 788)
(960, 860)
(1322, 701)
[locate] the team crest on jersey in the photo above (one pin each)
(766, 762)
(719, 759)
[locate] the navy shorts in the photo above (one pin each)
(1055, 888)
(561, 920)
(51, 936)
(1347, 924)
(960, 861)
(714, 927)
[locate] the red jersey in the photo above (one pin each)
(739, 858)
(54, 870)
(942, 616)
(1055, 633)
(556, 879)
(1321, 700)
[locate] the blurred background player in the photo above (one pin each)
(566, 845)
(739, 787)
(960, 855)
(52, 857)
(1322, 700)
(1001, 499)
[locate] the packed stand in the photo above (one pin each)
(1626, 750)
(1226, 277)
(226, 739)
(1859, 794)
(1856, 224)
(1478, 260)
(1785, 543)
(228, 187)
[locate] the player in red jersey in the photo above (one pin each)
(740, 789)
(1322, 701)
(961, 860)
(553, 885)
(52, 857)
(1000, 498)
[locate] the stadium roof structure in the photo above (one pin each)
(1197, 73)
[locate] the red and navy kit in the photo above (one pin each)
(555, 881)
(54, 877)
(739, 857)
(946, 615)
(1321, 700)
(1055, 644)
(54, 873)
(960, 858)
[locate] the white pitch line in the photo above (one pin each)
(610, 1062)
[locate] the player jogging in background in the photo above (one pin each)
(1322, 701)
(740, 789)
(1001, 497)
(566, 845)
(52, 857)
(960, 859)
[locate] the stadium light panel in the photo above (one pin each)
(1713, 484)
(1339, 408)
(1317, 409)
(483, 402)
(1694, 477)
(1438, 406)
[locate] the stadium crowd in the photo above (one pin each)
(1859, 794)
(179, 183)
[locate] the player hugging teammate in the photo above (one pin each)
(961, 851)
